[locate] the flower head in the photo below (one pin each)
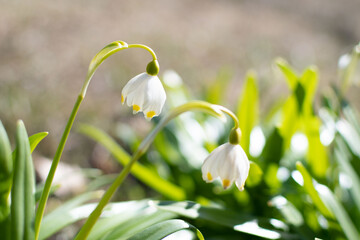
(229, 163)
(144, 93)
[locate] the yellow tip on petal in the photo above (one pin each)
(150, 114)
(136, 108)
(226, 183)
(122, 99)
(209, 176)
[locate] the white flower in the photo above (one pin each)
(229, 163)
(144, 93)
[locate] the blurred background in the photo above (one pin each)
(209, 46)
(45, 49)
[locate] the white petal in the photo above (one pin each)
(136, 98)
(228, 170)
(154, 97)
(212, 164)
(243, 166)
(133, 83)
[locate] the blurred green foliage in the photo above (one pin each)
(304, 177)
(303, 182)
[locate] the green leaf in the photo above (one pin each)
(341, 215)
(342, 159)
(36, 139)
(347, 74)
(215, 93)
(309, 80)
(39, 188)
(224, 217)
(67, 214)
(273, 149)
(300, 95)
(255, 175)
(131, 224)
(248, 110)
(6, 168)
(6, 163)
(290, 74)
(141, 172)
(352, 116)
(22, 194)
(290, 120)
(288, 210)
(310, 189)
(163, 229)
(120, 213)
(316, 155)
(350, 135)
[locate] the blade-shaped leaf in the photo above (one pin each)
(66, 214)
(342, 158)
(255, 175)
(289, 73)
(39, 188)
(341, 215)
(352, 116)
(350, 69)
(248, 110)
(163, 229)
(288, 210)
(6, 168)
(238, 222)
(125, 212)
(22, 194)
(6, 163)
(309, 81)
(135, 224)
(310, 189)
(350, 135)
(290, 120)
(36, 139)
(215, 93)
(316, 155)
(144, 174)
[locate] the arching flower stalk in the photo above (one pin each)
(144, 94)
(230, 156)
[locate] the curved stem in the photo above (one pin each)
(190, 106)
(107, 52)
(144, 47)
(232, 115)
(94, 64)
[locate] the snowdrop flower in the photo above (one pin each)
(145, 92)
(227, 162)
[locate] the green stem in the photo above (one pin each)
(95, 63)
(195, 105)
(55, 162)
(90, 222)
(144, 47)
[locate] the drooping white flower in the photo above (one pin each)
(229, 163)
(144, 93)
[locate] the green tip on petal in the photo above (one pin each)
(153, 68)
(235, 135)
